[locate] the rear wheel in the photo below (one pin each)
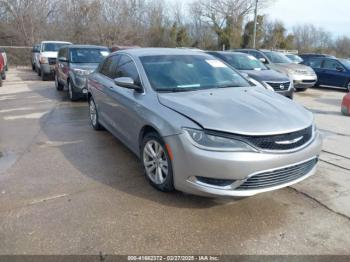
(156, 163)
(94, 115)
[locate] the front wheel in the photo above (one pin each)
(347, 86)
(156, 163)
(73, 96)
(59, 86)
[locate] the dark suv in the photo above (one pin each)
(74, 64)
(331, 71)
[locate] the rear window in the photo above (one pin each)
(88, 55)
(53, 47)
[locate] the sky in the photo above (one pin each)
(332, 15)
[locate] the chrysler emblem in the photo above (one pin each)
(289, 142)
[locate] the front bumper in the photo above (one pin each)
(80, 85)
(303, 81)
(288, 93)
(47, 69)
(191, 162)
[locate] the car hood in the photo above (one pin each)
(246, 111)
(85, 66)
(266, 75)
(49, 54)
(285, 67)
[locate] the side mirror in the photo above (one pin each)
(127, 82)
(62, 59)
(339, 69)
(263, 60)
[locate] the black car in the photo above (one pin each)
(256, 70)
(75, 63)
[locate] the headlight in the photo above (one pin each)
(255, 82)
(82, 72)
(216, 143)
(43, 60)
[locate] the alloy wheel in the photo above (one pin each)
(155, 162)
(93, 113)
(348, 86)
(70, 91)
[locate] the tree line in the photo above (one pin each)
(205, 24)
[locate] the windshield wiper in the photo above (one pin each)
(174, 90)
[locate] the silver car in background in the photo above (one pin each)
(302, 76)
(198, 126)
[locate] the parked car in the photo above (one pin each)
(48, 57)
(302, 76)
(2, 68)
(75, 63)
(34, 59)
(122, 47)
(198, 126)
(294, 58)
(4, 55)
(345, 106)
(306, 57)
(257, 71)
(331, 72)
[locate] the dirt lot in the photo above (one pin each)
(66, 189)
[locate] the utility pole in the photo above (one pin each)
(255, 23)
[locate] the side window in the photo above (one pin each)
(127, 68)
(331, 64)
(105, 68)
(315, 63)
(257, 54)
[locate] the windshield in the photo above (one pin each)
(295, 58)
(277, 58)
(189, 72)
(345, 62)
(243, 62)
(53, 47)
(88, 55)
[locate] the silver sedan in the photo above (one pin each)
(200, 127)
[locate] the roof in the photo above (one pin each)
(60, 42)
(160, 51)
(87, 46)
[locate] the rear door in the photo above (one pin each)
(101, 82)
(334, 73)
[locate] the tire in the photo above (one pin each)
(43, 76)
(3, 75)
(73, 96)
(156, 163)
(33, 67)
(93, 113)
(347, 86)
(58, 85)
(301, 89)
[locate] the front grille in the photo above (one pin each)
(279, 86)
(309, 81)
(288, 141)
(52, 61)
(278, 177)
